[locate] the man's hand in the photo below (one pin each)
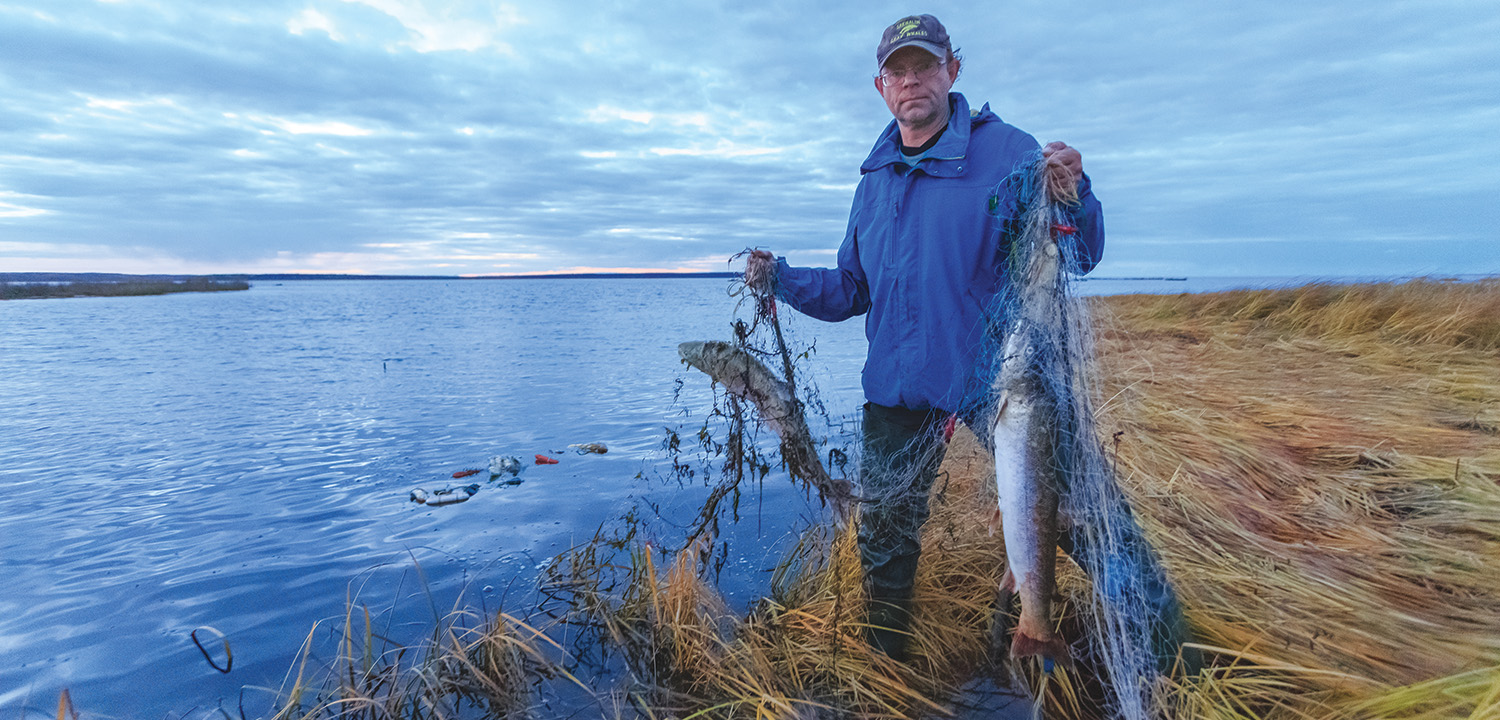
(1064, 170)
(760, 271)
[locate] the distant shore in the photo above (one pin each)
(52, 277)
(41, 289)
(17, 285)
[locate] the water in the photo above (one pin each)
(242, 460)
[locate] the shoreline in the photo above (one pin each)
(46, 290)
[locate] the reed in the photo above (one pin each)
(1319, 469)
(471, 664)
(799, 652)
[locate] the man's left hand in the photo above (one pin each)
(1064, 170)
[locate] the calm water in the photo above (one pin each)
(242, 460)
(238, 459)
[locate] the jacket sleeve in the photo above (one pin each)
(830, 294)
(1089, 219)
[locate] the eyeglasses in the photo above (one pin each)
(889, 77)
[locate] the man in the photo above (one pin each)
(923, 257)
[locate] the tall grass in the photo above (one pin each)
(1319, 468)
(1417, 312)
(471, 664)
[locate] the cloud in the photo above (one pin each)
(311, 19)
(437, 26)
(322, 127)
(480, 138)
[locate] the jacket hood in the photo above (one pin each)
(946, 158)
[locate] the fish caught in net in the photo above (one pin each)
(1056, 484)
(780, 405)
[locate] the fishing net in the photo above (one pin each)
(1133, 623)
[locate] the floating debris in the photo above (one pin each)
(544, 460)
(505, 465)
(587, 448)
(207, 630)
(446, 496)
(466, 473)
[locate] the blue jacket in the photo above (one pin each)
(923, 257)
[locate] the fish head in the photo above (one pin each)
(719, 360)
(704, 354)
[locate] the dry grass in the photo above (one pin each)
(471, 665)
(1318, 468)
(800, 652)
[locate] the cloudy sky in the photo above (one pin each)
(1346, 137)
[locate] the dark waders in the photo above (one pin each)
(902, 451)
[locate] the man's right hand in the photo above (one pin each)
(1064, 169)
(760, 271)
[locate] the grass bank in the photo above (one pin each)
(25, 291)
(1318, 467)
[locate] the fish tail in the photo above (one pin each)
(1049, 646)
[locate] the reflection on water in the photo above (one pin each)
(241, 460)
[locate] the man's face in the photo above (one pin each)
(918, 93)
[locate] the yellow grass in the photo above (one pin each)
(471, 664)
(1318, 468)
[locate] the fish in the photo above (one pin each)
(746, 377)
(1025, 441)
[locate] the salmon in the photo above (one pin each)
(746, 377)
(1025, 435)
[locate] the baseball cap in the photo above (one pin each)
(923, 31)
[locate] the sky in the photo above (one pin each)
(1341, 138)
